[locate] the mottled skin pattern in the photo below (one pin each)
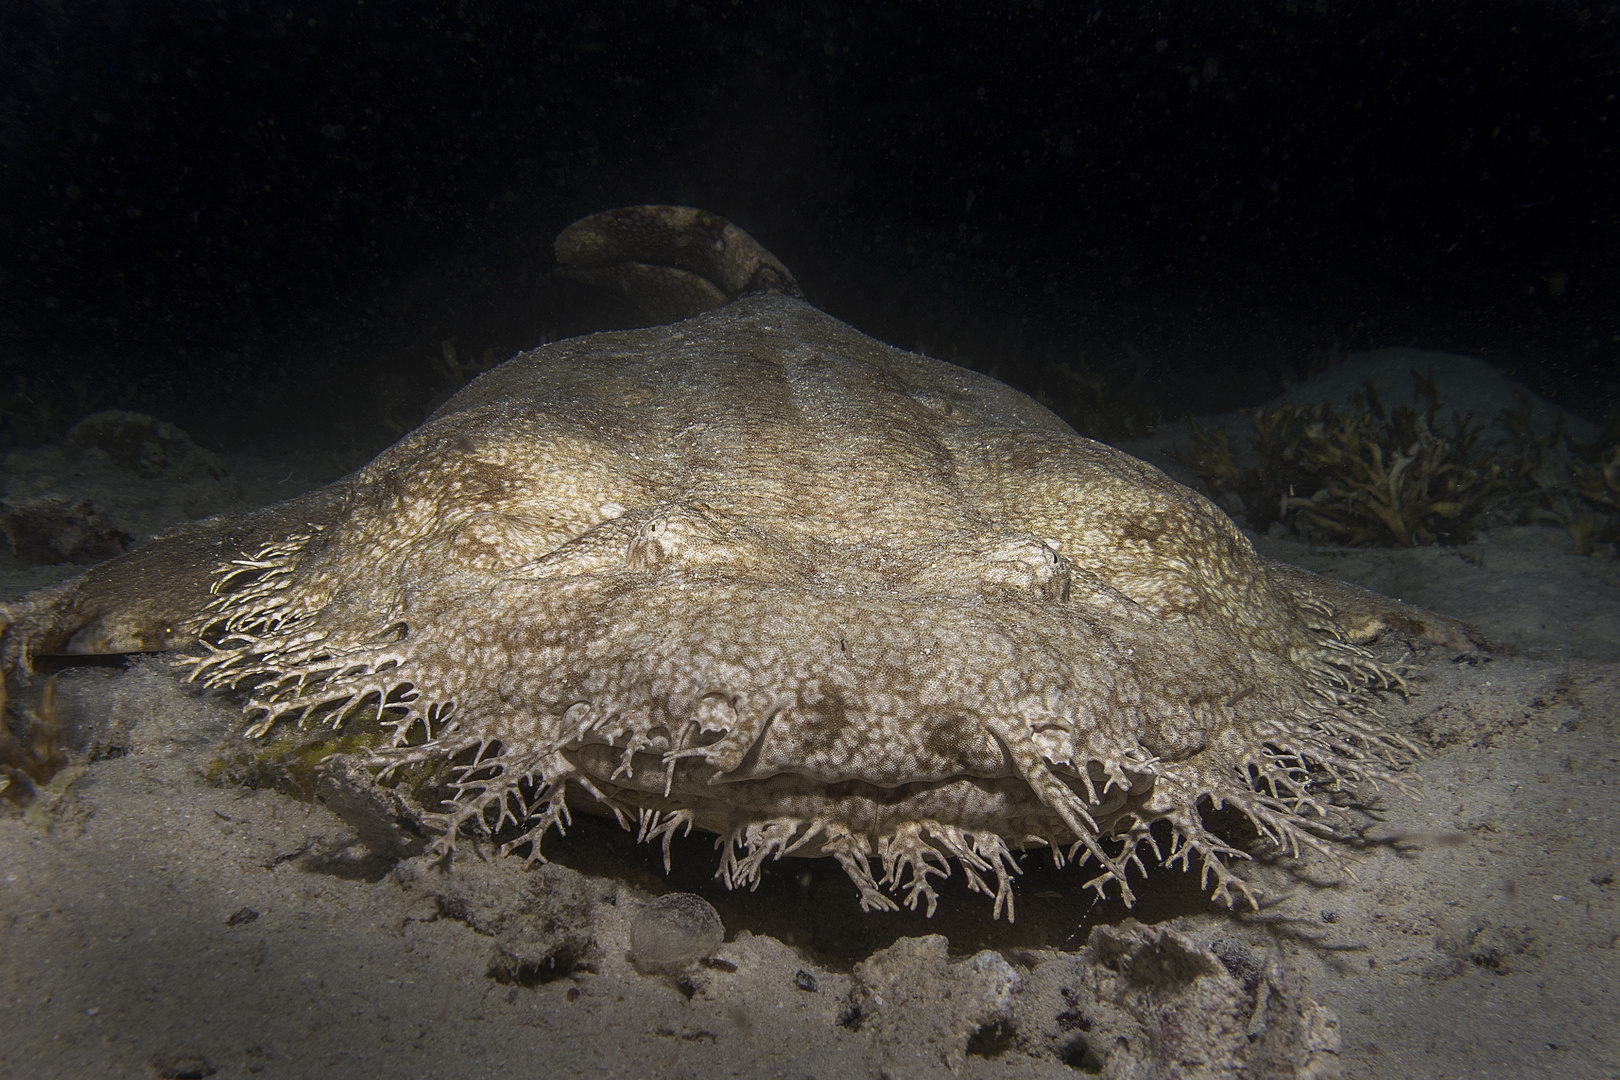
(758, 574)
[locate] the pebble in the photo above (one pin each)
(673, 931)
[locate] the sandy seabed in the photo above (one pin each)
(154, 923)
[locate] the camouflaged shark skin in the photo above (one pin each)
(758, 574)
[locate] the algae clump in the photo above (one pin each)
(1362, 476)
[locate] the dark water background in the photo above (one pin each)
(266, 221)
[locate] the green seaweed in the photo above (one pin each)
(1586, 499)
(1368, 475)
(1592, 514)
(1361, 476)
(1261, 492)
(289, 760)
(32, 754)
